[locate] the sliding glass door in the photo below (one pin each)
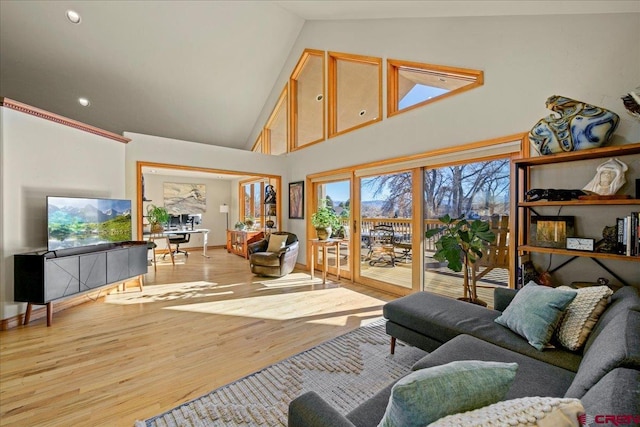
(477, 190)
(386, 231)
(336, 195)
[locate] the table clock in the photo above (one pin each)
(581, 244)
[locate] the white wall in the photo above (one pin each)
(147, 148)
(592, 58)
(526, 59)
(218, 192)
(41, 158)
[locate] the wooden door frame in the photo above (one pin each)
(139, 202)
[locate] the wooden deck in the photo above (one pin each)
(440, 282)
(438, 279)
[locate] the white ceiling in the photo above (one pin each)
(192, 70)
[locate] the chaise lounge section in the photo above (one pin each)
(604, 375)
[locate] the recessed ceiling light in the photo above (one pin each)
(363, 112)
(319, 97)
(84, 102)
(73, 16)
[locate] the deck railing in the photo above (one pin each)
(402, 229)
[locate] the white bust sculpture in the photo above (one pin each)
(609, 178)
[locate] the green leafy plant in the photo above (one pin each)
(239, 225)
(157, 215)
(323, 219)
(461, 244)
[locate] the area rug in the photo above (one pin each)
(345, 371)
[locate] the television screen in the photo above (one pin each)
(73, 222)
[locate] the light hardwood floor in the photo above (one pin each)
(197, 326)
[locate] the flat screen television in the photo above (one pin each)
(74, 222)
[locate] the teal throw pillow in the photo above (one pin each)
(429, 394)
(535, 312)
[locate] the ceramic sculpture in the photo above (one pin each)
(609, 178)
(575, 126)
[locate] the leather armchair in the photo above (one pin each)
(273, 264)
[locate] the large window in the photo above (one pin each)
(477, 190)
(307, 99)
(355, 92)
(252, 202)
(386, 228)
(276, 129)
(412, 84)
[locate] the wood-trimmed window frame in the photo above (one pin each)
(395, 65)
(334, 57)
(266, 132)
(258, 146)
(252, 197)
(293, 99)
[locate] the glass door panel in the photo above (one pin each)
(386, 229)
(337, 196)
(478, 190)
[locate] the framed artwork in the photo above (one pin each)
(296, 200)
(551, 231)
(182, 198)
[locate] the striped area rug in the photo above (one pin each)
(345, 371)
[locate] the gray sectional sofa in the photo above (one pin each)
(605, 375)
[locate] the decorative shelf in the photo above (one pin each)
(595, 153)
(539, 249)
(582, 202)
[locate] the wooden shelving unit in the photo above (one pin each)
(523, 171)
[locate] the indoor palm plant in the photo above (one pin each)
(157, 217)
(461, 244)
(324, 220)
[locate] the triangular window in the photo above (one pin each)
(411, 84)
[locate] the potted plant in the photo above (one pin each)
(324, 220)
(460, 244)
(239, 226)
(248, 221)
(157, 216)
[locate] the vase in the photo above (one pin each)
(157, 228)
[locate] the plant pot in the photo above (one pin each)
(157, 228)
(323, 233)
(477, 301)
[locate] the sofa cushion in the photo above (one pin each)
(426, 395)
(522, 412)
(624, 299)
(277, 242)
(436, 316)
(534, 377)
(442, 319)
(266, 259)
(535, 312)
(618, 392)
(581, 315)
(618, 345)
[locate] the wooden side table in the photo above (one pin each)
(238, 241)
(324, 244)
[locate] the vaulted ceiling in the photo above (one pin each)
(193, 70)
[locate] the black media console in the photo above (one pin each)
(45, 276)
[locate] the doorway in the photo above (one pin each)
(336, 195)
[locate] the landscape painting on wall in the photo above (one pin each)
(182, 198)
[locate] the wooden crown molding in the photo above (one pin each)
(24, 108)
